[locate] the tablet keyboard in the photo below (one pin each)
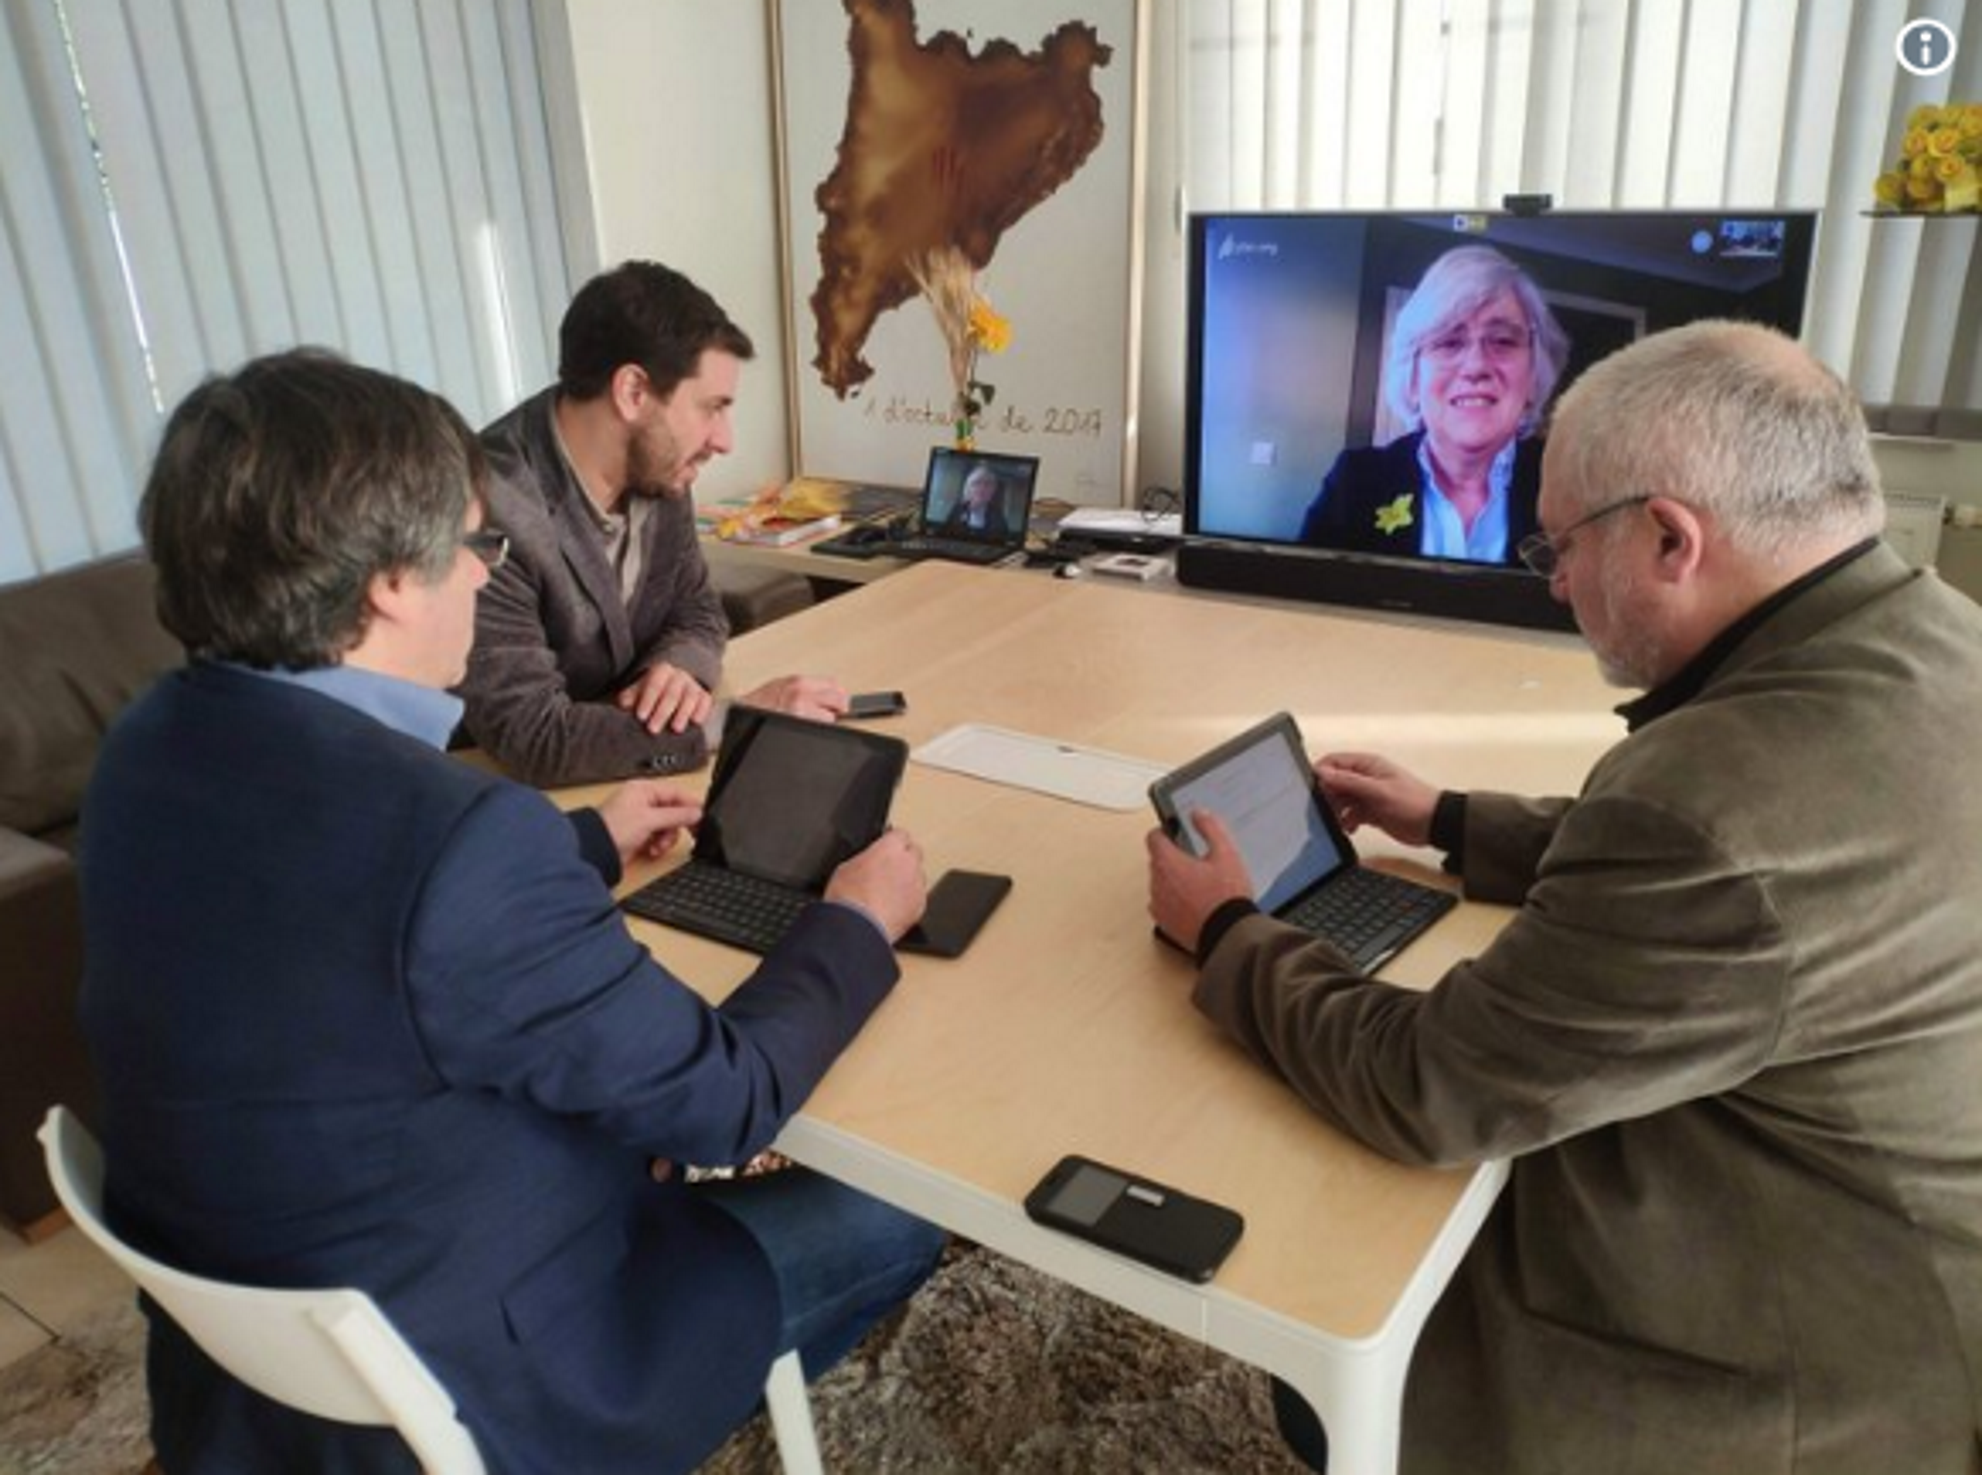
(726, 905)
(1369, 914)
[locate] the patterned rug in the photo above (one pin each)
(991, 1368)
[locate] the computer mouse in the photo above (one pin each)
(1069, 571)
(866, 533)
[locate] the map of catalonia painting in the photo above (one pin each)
(998, 130)
(942, 147)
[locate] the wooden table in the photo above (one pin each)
(1068, 1028)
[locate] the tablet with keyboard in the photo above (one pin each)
(1304, 869)
(789, 800)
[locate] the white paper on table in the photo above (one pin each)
(1045, 765)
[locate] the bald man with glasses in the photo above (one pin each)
(1731, 1037)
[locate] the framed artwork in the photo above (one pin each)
(949, 166)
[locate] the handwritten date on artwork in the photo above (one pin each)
(901, 409)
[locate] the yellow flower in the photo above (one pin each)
(1920, 191)
(1971, 120)
(1914, 144)
(1921, 168)
(992, 331)
(1889, 188)
(1923, 117)
(948, 282)
(1394, 517)
(1943, 141)
(1951, 168)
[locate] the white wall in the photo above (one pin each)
(675, 98)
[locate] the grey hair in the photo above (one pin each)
(1733, 418)
(1453, 287)
(280, 491)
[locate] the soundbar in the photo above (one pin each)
(1458, 591)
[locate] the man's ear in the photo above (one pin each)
(1682, 535)
(386, 594)
(630, 389)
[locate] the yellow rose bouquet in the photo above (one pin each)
(1940, 164)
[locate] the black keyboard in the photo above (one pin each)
(726, 905)
(1369, 914)
(963, 550)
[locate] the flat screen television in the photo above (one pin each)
(1342, 366)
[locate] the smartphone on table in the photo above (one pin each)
(863, 706)
(1162, 1227)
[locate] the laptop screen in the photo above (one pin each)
(1261, 786)
(985, 496)
(791, 799)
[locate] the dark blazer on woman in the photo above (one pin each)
(366, 1015)
(1365, 480)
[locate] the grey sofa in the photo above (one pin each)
(75, 648)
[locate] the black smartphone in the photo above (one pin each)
(863, 705)
(1183, 1236)
(959, 904)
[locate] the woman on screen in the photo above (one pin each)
(1473, 358)
(980, 506)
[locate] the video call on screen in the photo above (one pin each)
(1291, 312)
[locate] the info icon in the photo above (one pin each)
(1925, 48)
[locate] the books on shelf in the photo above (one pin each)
(781, 532)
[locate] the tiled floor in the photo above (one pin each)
(50, 1287)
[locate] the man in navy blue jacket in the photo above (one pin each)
(367, 1015)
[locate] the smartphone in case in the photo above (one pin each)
(864, 705)
(960, 903)
(1171, 1231)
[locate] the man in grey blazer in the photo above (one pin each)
(599, 644)
(1732, 1038)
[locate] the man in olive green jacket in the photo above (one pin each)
(1732, 1039)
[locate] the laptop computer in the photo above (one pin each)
(975, 507)
(789, 800)
(1304, 869)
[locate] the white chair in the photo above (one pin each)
(332, 1353)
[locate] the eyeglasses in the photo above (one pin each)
(1500, 343)
(1543, 553)
(488, 544)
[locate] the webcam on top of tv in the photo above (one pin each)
(1526, 204)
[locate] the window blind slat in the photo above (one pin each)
(1372, 60)
(1551, 89)
(387, 193)
(1708, 59)
(1464, 132)
(134, 146)
(302, 250)
(437, 243)
(74, 400)
(1653, 36)
(1417, 101)
(1510, 48)
(330, 95)
(244, 218)
(1327, 114)
(1597, 100)
(1756, 134)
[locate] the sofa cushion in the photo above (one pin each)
(78, 646)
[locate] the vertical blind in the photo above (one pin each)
(1646, 104)
(189, 183)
